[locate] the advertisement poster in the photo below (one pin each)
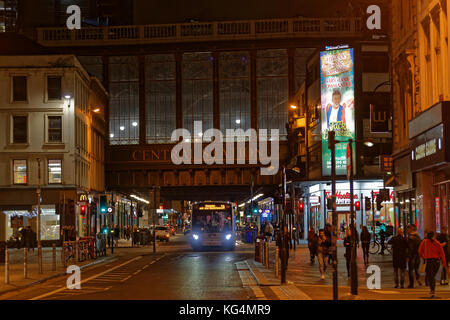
(337, 101)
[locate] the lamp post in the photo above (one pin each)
(39, 217)
(353, 265)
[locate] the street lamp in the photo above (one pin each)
(68, 97)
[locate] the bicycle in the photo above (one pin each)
(375, 245)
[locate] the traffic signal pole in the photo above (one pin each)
(353, 266)
(331, 146)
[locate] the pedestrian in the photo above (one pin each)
(323, 245)
(348, 250)
(413, 257)
(327, 233)
(283, 243)
(116, 235)
(431, 250)
(365, 243)
(443, 239)
(399, 255)
(269, 231)
(382, 234)
(312, 244)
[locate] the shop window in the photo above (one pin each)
(54, 88)
(54, 171)
(55, 129)
(20, 171)
(20, 130)
(19, 88)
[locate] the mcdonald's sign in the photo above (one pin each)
(83, 197)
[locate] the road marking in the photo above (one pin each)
(88, 279)
(280, 294)
(123, 280)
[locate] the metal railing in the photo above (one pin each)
(203, 31)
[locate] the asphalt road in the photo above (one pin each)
(174, 273)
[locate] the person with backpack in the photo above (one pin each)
(431, 251)
(413, 258)
(365, 243)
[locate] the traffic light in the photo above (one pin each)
(368, 203)
(255, 210)
(329, 204)
(83, 210)
(331, 140)
(379, 200)
(357, 205)
(301, 206)
(103, 204)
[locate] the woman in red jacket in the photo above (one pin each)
(431, 251)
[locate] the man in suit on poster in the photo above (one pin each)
(336, 111)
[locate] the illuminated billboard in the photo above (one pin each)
(337, 105)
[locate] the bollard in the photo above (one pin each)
(75, 248)
(54, 257)
(277, 254)
(261, 252)
(64, 254)
(40, 258)
(25, 263)
(6, 265)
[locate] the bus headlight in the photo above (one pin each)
(195, 236)
(228, 236)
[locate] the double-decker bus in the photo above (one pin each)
(213, 225)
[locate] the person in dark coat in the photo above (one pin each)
(413, 255)
(399, 256)
(365, 242)
(312, 244)
(348, 250)
(328, 232)
(287, 240)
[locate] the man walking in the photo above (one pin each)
(323, 243)
(399, 254)
(443, 238)
(413, 257)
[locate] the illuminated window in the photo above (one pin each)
(124, 99)
(160, 99)
(234, 75)
(20, 171)
(197, 90)
(54, 171)
(272, 90)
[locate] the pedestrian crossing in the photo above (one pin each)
(103, 281)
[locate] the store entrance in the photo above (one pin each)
(343, 223)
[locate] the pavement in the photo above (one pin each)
(16, 265)
(306, 278)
